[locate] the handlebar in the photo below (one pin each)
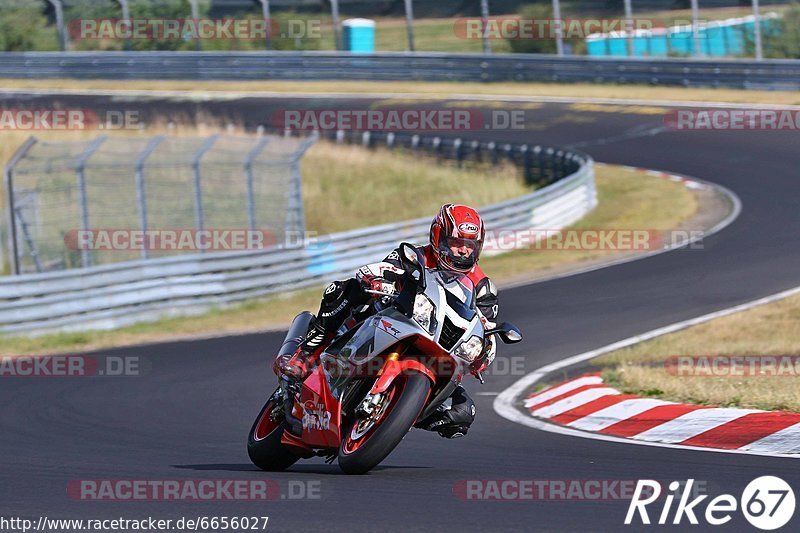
(381, 293)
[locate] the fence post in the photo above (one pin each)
(265, 12)
(487, 48)
(559, 27)
(696, 28)
(629, 34)
(8, 175)
(198, 186)
(491, 147)
(83, 203)
(295, 216)
(337, 43)
(757, 29)
(410, 24)
(62, 32)
(140, 185)
(126, 15)
(248, 173)
(526, 164)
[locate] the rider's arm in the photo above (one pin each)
(486, 298)
(487, 302)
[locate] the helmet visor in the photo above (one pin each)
(461, 253)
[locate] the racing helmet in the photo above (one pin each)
(457, 237)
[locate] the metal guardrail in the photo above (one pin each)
(739, 73)
(114, 295)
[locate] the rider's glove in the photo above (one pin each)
(372, 277)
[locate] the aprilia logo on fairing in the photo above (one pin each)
(315, 416)
(767, 503)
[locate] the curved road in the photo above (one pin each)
(188, 415)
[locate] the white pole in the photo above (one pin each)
(195, 17)
(126, 15)
(410, 24)
(487, 48)
(265, 11)
(696, 27)
(759, 43)
(559, 24)
(335, 15)
(629, 26)
(62, 34)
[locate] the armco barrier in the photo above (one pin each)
(119, 294)
(740, 73)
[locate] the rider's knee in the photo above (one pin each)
(462, 410)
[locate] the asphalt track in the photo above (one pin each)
(188, 416)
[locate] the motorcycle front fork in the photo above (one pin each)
(284, 397)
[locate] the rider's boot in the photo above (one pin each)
(338, 300)
(297, 366)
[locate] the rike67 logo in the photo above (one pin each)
(767, 503)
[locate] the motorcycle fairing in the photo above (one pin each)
(320, 411)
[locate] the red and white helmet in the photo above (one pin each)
(457, 226)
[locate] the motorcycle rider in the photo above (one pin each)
(456, 240)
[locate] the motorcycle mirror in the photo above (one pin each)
(508, 333)
(415, 260)
(410, 253)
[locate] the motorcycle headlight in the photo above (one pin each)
(423, 312)
(470, 349)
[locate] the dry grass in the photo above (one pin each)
(772, 329)
(346, 187)
(627, 198)
(440, 89)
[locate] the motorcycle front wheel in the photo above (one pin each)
(264, 442)
(370, 439)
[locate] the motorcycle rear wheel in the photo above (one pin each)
(362, 447)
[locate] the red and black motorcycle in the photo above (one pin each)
(376, 379)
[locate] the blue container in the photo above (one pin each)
(716, 39)
(617, 46)
(681, 42)
(659, 45)
(359, 35)
(597, 47)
